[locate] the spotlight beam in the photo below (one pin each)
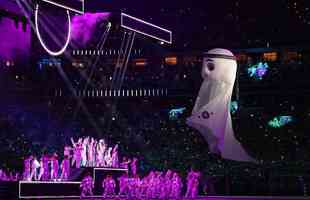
(127, 60)
(120, 68)
(93, 65)
(61, 72)
(118, 60)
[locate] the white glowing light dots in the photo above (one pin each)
(61, 51)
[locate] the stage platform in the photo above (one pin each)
(67, 189)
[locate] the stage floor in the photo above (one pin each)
(201, 198)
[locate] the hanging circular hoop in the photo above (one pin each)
(53, 53)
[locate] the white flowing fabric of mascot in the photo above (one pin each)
(211, 114)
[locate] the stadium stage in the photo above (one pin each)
(9, 191)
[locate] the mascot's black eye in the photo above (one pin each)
(205, 115)
(211, 66)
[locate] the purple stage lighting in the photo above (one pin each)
(15, 42)
(83, 26)
(146, 28)
(72, 5)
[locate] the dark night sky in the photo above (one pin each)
(232, 22)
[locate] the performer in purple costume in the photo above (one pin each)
(46, 160)
(115, 162)
(27, 168)
(67, 152)
(133, 187)
(150, 183)
(65, 168)
(157, 184)
(144, 182)
(176, 187)
(133, 166)
(165, 185)
(77, 153)
(189, 180)
(55, 167)
(124, 164)
(123, 184)
(87, 186)
(108, 184)
(192, 184)
(195, 185)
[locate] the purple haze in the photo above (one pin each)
(15, 42)
(83, 26)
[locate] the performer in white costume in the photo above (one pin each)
(84, 152)
(211, 114)
(34, 169)
(101, 148)
(90, 152)
(41, 172)
(108, 157)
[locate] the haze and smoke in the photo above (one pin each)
(83, 26)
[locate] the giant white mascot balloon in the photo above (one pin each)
(211, 114)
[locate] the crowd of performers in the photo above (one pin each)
(88, 152)
(85, 152)
(47, 168)
(156, 185)
(8, 176)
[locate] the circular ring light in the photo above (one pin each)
(53, 53)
